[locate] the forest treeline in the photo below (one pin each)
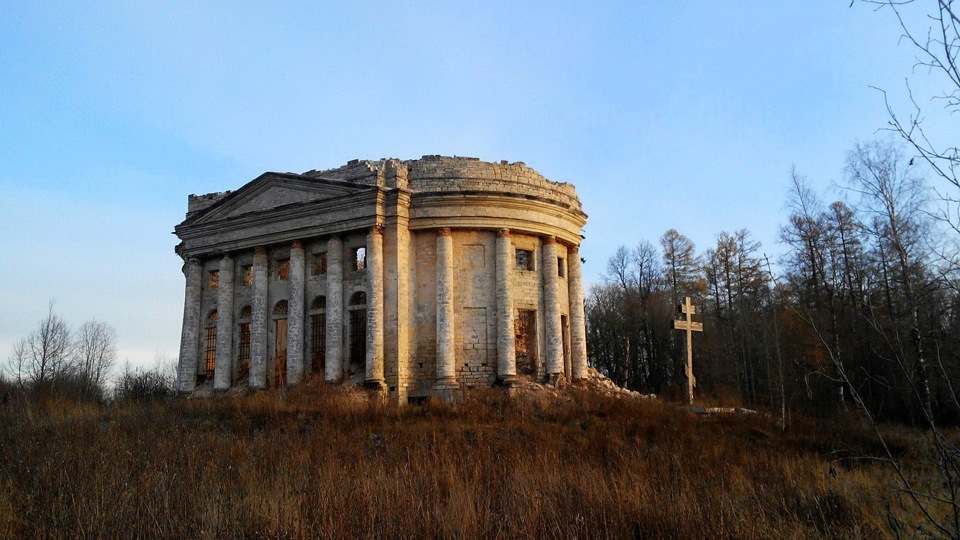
(861, 310)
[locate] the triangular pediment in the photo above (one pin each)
(272, 191)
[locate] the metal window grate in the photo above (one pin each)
(318, 341)
(358, 336)
(211, 349)
(243, 351)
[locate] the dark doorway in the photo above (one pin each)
(358, 331)
(318, 343)
(525, 333)
(280, 345)
(280, 358)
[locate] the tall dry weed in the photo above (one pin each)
(318, 462)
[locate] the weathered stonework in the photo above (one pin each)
(421, 277)
(224, 324)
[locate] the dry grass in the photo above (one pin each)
(317, 463)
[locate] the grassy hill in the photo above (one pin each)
(321, 461)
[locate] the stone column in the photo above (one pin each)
(446, 351)
(295, 315)
(374, 359)
(190, 333)
(334, 351)
(506, 341)
(551, 307)
(578, 330)
(223, 371)
(258, 326)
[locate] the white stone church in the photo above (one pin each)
(418, 278)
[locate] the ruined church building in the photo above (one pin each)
(418, 278)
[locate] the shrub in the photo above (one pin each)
(143, 385)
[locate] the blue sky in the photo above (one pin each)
(663, 114)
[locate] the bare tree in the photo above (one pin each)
(95, 353)
(892, 195)
(935, 41)
(45, 353)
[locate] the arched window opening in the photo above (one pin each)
(246, 312)
(319, 303)
(280, 309)
(359, 298)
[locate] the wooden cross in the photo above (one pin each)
(690, 327)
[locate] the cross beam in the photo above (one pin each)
(689, 327)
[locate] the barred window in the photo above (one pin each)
(318, 341)
(243, 350)
(210, 345)
(358, 336)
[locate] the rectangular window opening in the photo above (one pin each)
(283, 269)
(248, 274)
(360, 259)
(561, 266)
(524, 259)
(214, 281)
(320, 264)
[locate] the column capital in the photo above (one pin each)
(550, 239)
(296, 244)
(503, 233)
(377, 229)
(445, 231)
(260, 250)
(189, 263)
(573, 248)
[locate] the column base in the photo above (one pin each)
(556, 380)
(375, 384)
(508, 381)
(447, 390)
(446, 383)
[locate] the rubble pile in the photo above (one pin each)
(594, 381)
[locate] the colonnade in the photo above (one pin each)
(445, 376)
(506, 343)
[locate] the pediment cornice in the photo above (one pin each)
(272, 192)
